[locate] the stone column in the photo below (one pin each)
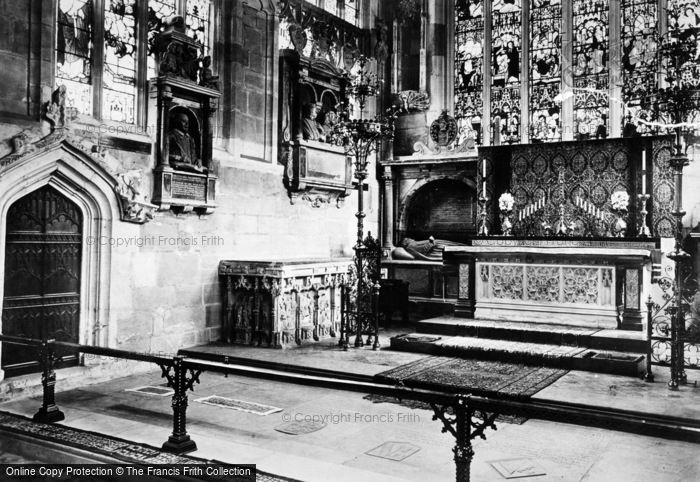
(567, 83)
(388, 217)
(615, 75)
(486, 90)
(525, 75)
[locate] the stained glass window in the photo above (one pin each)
(197, 22)
(684, 24)
(545, 70)
(590, 68)
(469, 68)
(75, 52)
(639, 66)
(158, 12)
(506, 43)
(119, 76)
(74, 47)
(350, 13)
(330, 6)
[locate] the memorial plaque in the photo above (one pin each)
(396, 451)
(517, 468)
(189, 187)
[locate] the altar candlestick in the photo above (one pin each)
(483, 189)
(483, 169)
(644, 172)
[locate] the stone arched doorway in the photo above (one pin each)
(42, 275)
(443, 208)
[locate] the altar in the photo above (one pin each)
(562, 233)
(594, 283)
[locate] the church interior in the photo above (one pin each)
(349, 239)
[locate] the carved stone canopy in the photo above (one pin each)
(134, 206)
(178, 54)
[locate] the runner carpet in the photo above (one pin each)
(475, 377)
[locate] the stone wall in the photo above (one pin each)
(164, 290)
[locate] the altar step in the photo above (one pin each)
(531, 332)
(559, 346)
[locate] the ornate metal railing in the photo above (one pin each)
(465, 417)
(360, 296)
(673, 340)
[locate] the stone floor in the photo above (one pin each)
(355, 426)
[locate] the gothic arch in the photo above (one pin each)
(79, 178)
(405, 200)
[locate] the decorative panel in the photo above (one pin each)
(639, 63)
(74, 48)
(590, 67)
(632, 289)
(506, 40)
(119, 76)
(507, 281)
(663, 223)
(464, 281)
(469, 68)
(562, 177)
(546, 284)
(543, 284)
(580, 285)
(545, 70)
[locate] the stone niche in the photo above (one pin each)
(183, 100)
(313, 77)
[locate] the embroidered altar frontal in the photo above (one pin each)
(595, 283)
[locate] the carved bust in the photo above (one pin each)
(310, 128)
(182, 148)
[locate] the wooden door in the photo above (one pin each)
(42, 276)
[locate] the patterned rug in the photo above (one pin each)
(476, 377)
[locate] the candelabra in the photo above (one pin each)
(361, 138)
(675, 104)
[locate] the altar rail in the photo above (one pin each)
(465, 417)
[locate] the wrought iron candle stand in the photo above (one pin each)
(676, 103)
(361, 138)
(678, 161)
(643, 228)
